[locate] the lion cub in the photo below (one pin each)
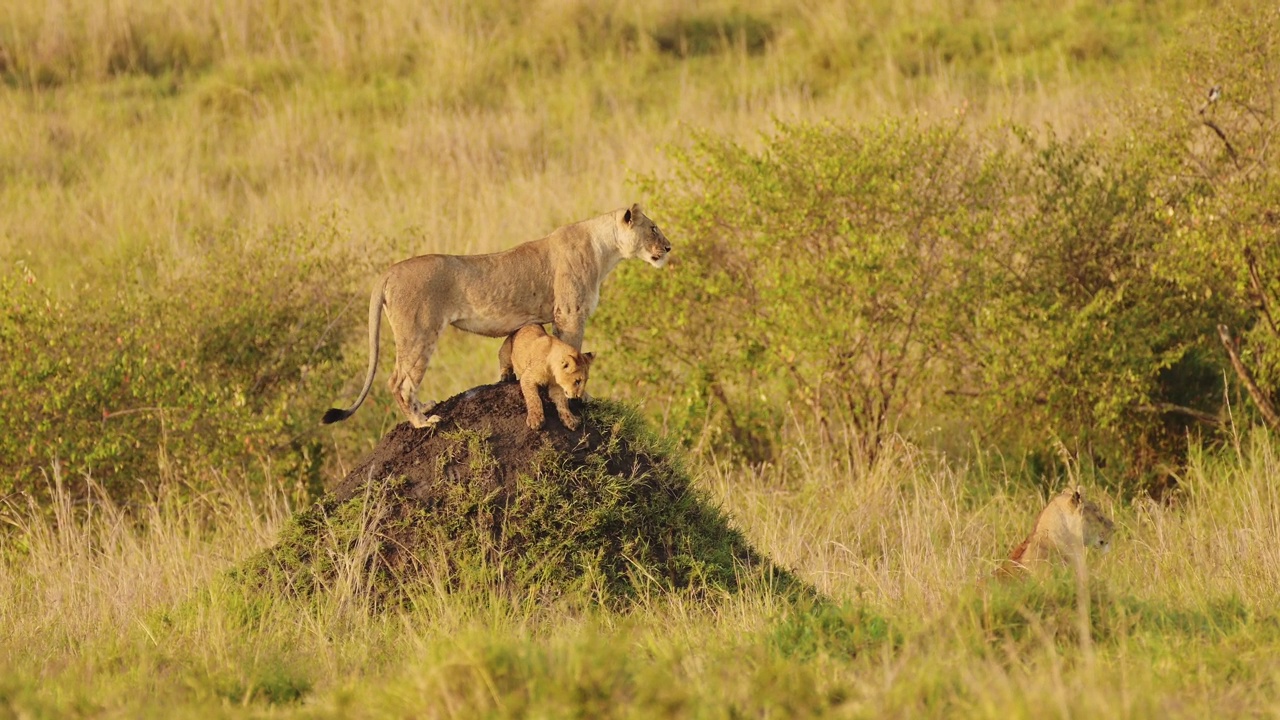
(540, 360)
(1064, 529)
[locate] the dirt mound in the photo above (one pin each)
(606, 510)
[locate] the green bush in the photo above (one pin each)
(208, 366)
(1084, 333)
(887, 278)
(1220, 131)
(823, 271)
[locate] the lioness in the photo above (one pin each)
(540, 360)
(1067, 525)
(554, 279)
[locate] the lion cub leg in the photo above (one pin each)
(561, 401)
(506, 368)
(532, 402)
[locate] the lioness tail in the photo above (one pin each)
(333, 415)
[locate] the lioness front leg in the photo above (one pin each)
(570, 322)
(562, 406)
(570, 325)
(532, 402)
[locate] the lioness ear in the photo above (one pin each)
(1075, 496)
(626, 216)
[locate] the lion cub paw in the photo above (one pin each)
(536, 421)
(569, 421)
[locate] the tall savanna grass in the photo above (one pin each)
(460, 127)
(107, 610)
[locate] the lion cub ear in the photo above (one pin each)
(1075, 496)
(588, 357)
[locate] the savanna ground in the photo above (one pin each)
(193, 197)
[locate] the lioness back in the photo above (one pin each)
(540, 360)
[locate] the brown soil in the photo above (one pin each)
(496, 411)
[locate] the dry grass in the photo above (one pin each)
(441, 126)
(104, 614)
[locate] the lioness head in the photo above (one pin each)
(1096, 527)
(570, 369)
(639, 238)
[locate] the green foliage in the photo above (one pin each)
(1220, 119)
(211, 364)
(824, 627)
(890, 276)
(821, 270)
(1081, 331)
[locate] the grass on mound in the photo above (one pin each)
(607, 513)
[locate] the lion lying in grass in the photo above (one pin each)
(1064, 529)
(539, 360)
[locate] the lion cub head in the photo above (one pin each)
(570, 368)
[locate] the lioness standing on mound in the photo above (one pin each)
(540, 360)
(1064, 529)
(554, 279)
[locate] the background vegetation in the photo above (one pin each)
(931, 260)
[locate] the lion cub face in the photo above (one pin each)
(640, 238)
(570, 369)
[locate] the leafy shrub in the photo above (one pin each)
(887, 277)
(805, 630)
(206, 366)
(823, 270)
(1218, 119)
(1083, 333)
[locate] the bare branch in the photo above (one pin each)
(1194, 414)
(1255, 279)
(1232, 346)
(1235, 157)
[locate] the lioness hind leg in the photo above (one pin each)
(405, 391)
(412, 359)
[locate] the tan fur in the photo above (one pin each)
(1064, 529)
(555, 279)
(540, 360)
